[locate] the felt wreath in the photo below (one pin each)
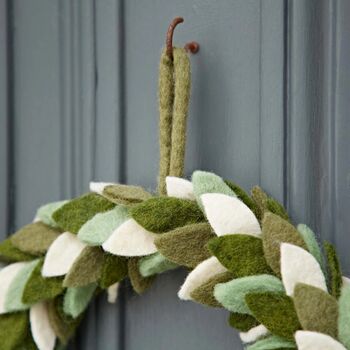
(242, 252)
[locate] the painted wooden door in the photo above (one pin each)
(270, 102)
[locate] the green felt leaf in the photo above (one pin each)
(45, 212)
(344, 317)
(114, 269)
(242, 322)
(317, 310)
(34, 238)
(334, 270)
(204, 294)
(98, 229)
(13, 330)
(162, 214)
(40, 288)
(241, 254)
(275, 311)
(232, 294)
(9, 253)
(155, 264)
(139, 283)
(125, 194)
(86, 269)
(272, 343)
(186, 245)
(72, 215)
(276, 230)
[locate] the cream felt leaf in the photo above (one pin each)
(112, 293)
(61, 255)
(228, 215)
(179, 188)
(7, 275)
(198, 276)
(130, 239)
(253, 334)
(42, 332)
(299, 266)
(307, 340)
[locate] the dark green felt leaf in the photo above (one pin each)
(186, 245)
(317, 310)
(9, 253)
(125, 194)
(139, 283)
(72, 215)
(163, 214)
(242, 322)
(334, 270)
(241, 254)
(114, 269)
(275, 311)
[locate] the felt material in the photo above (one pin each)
(130, 239)
(335, 274)
(139, 283)
(186, 245)
(13, 299)
(253, 334)
(86, 269)
(61, 255)
(76, 299)
(72, 215)
(312, 244)
(39, 288)
(9, 253)
(307, 340)
(45, 212)
(204, 294)
(241, 254)
(98, 229)
(114, 269)
(98, 187)
(317, 310)
(125, 194)
(42, 331)
(166, 100)
(242, 322)
(232, 294)
(112, 293)
(344, 317)
(34, 239)
(163, 214)
(276, 230)
(179, 188)
(299, 266)
(205, 182)
(345, 281)
(275, 311)
(272, 343)
(200, 275)
(182, 86)
(7, 276)
(13, 330)
(155, 264)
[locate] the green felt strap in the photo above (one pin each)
(155, 264)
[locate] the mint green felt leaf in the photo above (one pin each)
(334, 270)
(9, 253)
(162, 214)
(13, 330)
(114, 269)
(242, 322)
(125, 194)
(241, 254)
(155, 264)
(76, 299)
(272, 342)
(46, 211)
(275, 311)
(13, 299)
(344, 317)
(72, 215)
(98, 229)
(232, 294)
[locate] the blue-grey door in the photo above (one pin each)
(270, 106)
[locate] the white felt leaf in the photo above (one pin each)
(253, 334)
(7, 275)
(62, 254)
(198, 276)
(307, 340)
(130, 239)
(346, 281)
(42, 332)
(299, 266)
(179, 188)
(228, 215)
(98, 187)
(112, 293)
